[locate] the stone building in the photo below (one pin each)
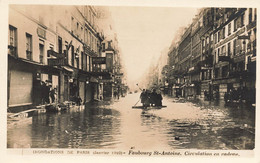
(216, 56)
(56, 45)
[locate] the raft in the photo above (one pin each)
(149, 107)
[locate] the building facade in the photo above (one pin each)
(55, 46)
(216, 56)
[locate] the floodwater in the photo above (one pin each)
(115, 125)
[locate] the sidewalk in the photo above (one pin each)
(201, 102)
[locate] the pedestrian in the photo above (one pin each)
(78, 101)
(143, 96)
(115, 94)
(159, 99)
(154, 98)
(46, 92)
(52, 94)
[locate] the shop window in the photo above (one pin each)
(241, 66)
(87, 61)
(28, 46)
(225, 71)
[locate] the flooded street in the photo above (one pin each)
(115, 125)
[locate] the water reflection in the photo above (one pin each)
(182, 125)
(88, 128)
(218, 127)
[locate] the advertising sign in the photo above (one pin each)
(99, 60)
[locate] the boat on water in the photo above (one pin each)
(148, 107)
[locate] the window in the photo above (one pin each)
(87, 60)
(250, 15)
(51, 48)
(223, 32)
(41, 49)
(211, 37)
(216, 73)
(224, 50)
(235, 24)
(72, 56)
(229, 29)
(103, 46)
(89, 38)
(28, 46)
(234, 47)
(12, 45)
(86, 36)
(72, 25)
(218, 36)
(229, 49)
(60, 45)
(89, 17)
(238, 47)
(242, 20)
(82, 61)
(90, 63)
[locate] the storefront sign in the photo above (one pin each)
(55, 54)
(56, 62)
(243, 37)
(106, 81)
(41, 33)
(99, 60)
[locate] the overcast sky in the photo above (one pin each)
(143, 32)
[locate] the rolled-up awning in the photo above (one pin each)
(67, 68)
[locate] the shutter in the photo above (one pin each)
(21, 84)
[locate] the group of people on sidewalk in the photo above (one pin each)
(149, 98)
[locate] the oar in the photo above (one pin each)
(137, 102)
(138, 86)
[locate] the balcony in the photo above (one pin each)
(225, 59)
(251, 25)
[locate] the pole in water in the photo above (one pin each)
(138, 86)
(137, 102)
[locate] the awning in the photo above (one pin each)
(67, 68)
(93, 80)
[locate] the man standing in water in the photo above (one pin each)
(144, 98)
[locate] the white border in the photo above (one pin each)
(7, 157)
